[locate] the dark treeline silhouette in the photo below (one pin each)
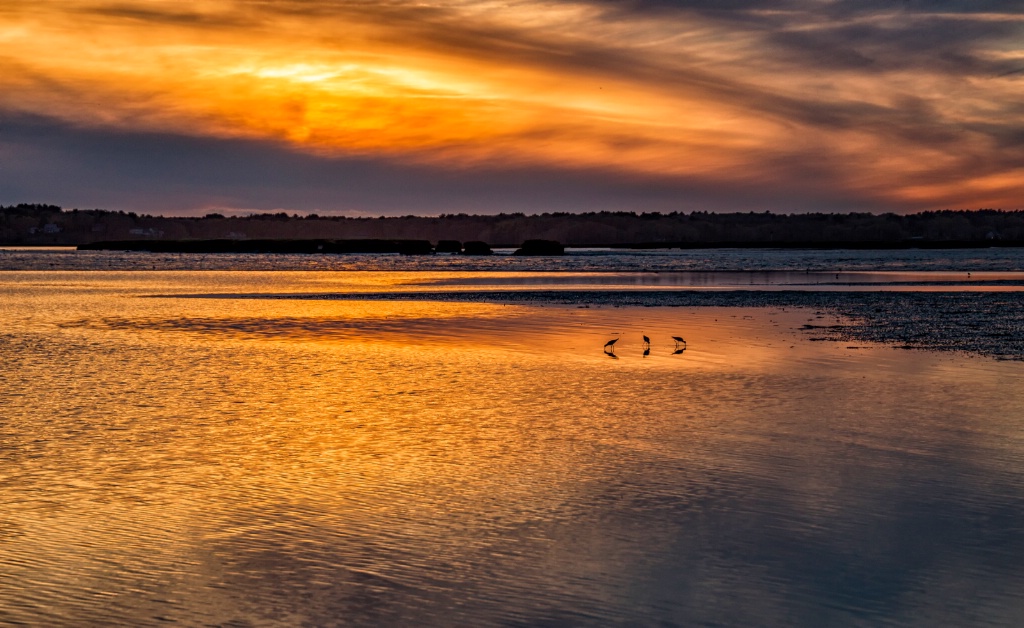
(51, 225)
(405, 247)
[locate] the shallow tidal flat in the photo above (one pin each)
(334, 455)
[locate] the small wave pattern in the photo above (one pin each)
(575, 260)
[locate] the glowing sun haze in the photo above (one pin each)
(419, 107)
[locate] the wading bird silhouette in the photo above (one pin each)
(647, 341)
(678, 340)
(609, 347)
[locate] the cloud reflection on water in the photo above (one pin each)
(286, 461)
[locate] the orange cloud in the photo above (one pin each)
(659, 93)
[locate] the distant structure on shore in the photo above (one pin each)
(28, 224)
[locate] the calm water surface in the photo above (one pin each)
(262, 462)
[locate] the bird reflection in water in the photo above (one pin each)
(609, 348)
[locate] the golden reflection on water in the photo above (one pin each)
(288, 461)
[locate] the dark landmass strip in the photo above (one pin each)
(528, 248)
(541, 247)
(406, 247)
(982, 323)
(863, 245)
(39, 225)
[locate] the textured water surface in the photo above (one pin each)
(483, 461)
(576, 260)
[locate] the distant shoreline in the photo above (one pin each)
(830, 246)
(424, 247)
(49, 225)
(301, 246)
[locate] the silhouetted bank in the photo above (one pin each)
(50, 225)
(448, 246)
(540, 247)
(405, 247)
(475, 247)
(914, 243)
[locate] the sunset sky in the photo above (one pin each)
(401, 107)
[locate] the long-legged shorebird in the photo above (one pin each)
(647, 341)
(610, 345)
(678, 340)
